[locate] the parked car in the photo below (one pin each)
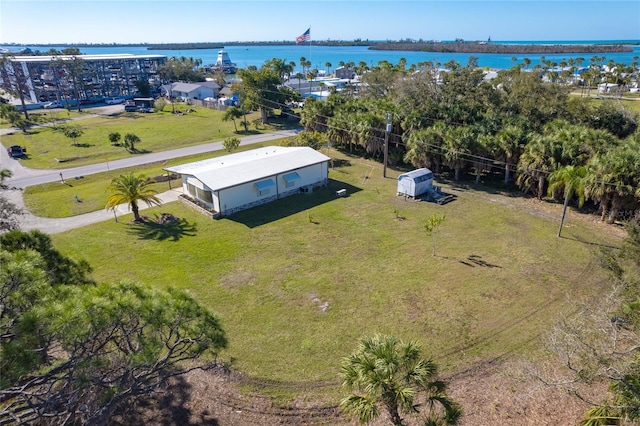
(113, 101)
(16, 151)
(131, 108)
(52, 104)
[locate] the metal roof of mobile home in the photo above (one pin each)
(248, 166)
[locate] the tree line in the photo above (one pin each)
(525, 124)
(461, 46)
(519, 124)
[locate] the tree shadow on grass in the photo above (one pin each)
(339, 162)
(139, 151)
(474, 260)
(157, 229)
(292, 204)
(168, 407)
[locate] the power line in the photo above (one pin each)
(439, 149)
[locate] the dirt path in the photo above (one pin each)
(491, 393)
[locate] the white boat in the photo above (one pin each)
(223, 63)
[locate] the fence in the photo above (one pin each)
(207, 104)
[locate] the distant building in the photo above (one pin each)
(608, 88)
(343, 72)
(207, 89)
(56, 78)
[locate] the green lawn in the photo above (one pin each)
(43, 116)
(297, 282)
(56, 199)
(159, 131)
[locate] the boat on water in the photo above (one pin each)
(223, 63)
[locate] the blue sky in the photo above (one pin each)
(157, 21)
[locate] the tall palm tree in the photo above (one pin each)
(571, 180)
(536, 162)
(424, 147)
(458, 142)
(613, 178)
(509, 141)
(390, 373)
(303, 63)
(130, 189)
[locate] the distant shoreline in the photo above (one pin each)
(497, 48)
(458, 46)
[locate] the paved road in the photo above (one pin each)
(24, 177)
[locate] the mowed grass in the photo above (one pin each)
(297, 282)
(159, 131)
(44, 116)
(57, 199)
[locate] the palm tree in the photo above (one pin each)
(424, 147)
(458, 142)
(303, 63)
(130, 141)
(537, 162)
(509, 141)
(571, 180)
(390, 373)
(613, 178)
(130, 189)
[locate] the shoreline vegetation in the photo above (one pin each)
(456, 46)
(496, 48)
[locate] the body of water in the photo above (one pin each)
(319, 56)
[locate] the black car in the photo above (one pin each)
(16, 151)
(131, 108)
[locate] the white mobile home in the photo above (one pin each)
(415, 183)
(242, 180)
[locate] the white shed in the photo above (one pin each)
(415, 183)
(246, 179)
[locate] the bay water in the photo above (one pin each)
(320, 56)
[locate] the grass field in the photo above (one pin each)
(159, 131)
(297, 282)
(44, 116)
(58, 200)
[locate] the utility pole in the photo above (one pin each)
(244, 113)
(386, 144)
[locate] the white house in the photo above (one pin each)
(246, 179)
(207, 89)
(415, 183)
(608, 88)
